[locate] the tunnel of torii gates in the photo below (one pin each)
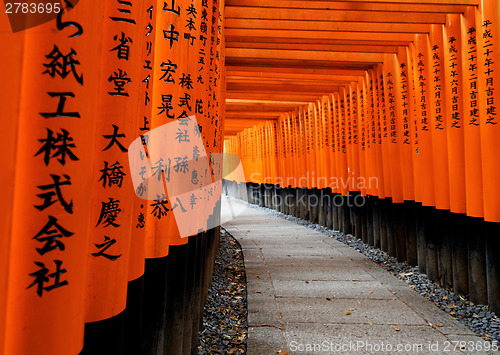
(376, 118)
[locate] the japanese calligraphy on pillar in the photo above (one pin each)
(455, 72)
(488, 69)
(118, 124)
(405, 103)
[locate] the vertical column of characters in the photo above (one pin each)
(284, 143)
(325, 154)
(370, 135)
(55, 116)
(285, 139)
(269, 140)
(246, 139)
(392, 131)
(292, 153)
(212, 20)
(140, 218)
(311, 140)
(274, 137)
(303, 181)
(244, 155)
(355, 121)
(272, 149)
(363, 177)
(348, 134)
(265, 142)
(11, 67)
(117, 124)
(325, 140)
(403, 104)
(335, 144)
(169, 81)
(377, 136)
(414, 118)
(307, 145)
(262, 141)
(472, 135)
(280, 151)
(438, 122)
(256, 154)
(383, 135)
(423, 88)
(319, 144)
(295, 149)
(221, 84)
(329, 142)
(488, 35)
(343, 142)
(206, 101)
(200, 30)
(262, 148)
(454, 106)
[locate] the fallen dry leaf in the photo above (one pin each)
(347, 313)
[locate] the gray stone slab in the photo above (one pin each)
(347, 311)
(332, 289)
(320, 272)
(262, 310)
(300, 251)
(265, 341)
(429, 312)
(319, 261)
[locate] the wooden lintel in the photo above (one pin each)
(332, 15)
(353, 48)
(326, 26)
(391, 6)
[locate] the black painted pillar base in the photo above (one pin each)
(396, 243)
(476, 242)
(459, 250)
(410, 219)
(385, 224)
(174, 312)
(493, 265)
(134, 315)
(364, 210)
(329, 209)
(376, 222)
(444, 222)
(154, 302)
(369, 220)
(431, 243)
(357, 210)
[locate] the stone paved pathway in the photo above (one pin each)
(310, 294)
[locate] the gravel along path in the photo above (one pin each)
(225, 316)
(478, 318)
